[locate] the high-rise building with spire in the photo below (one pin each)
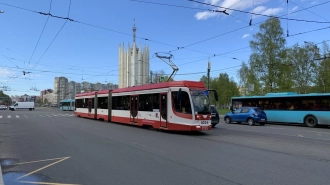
(134, 64)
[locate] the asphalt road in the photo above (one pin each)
(47, 145)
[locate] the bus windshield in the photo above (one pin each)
(200, 99)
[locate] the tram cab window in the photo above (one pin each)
(184, 105)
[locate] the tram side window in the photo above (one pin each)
(102, 102)
(79, 103)
(144, 102)
(120, 103)
(154, 101)
(149, 102)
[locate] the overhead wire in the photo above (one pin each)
(213, 37)
(150, 39)
(309, 11)
(66, 20)
(296, 34)
(42, 31)
(259, 14)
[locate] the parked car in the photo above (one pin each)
(215, 116)
(251, 115)
(3, 107)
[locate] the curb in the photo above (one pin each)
(1, 179)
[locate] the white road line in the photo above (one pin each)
(319, 134)
(277, 134)
(0, 116)
(9, 116)
(41, 115)
(49, 115)
(25, 116)
(17, 116)
(300, 135)
(54, 115)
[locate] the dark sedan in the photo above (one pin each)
(215, 116)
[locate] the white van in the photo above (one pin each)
(22, 105)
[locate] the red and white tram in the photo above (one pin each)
(179, 105)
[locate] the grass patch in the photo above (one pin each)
(223, 111)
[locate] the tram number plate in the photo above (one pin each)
(204, 122)
(205, 127)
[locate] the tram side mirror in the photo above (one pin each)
(179, 95)
(216, 95)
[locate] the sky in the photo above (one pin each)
(85, 46)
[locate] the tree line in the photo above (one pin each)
(273, 67)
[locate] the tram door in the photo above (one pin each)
(163, 110)
(89, 104)
(134, 108)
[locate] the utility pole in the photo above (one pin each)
(151, 76)
(208, 74)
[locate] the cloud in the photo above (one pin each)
(5, 72)
(272, 11)
(205, 15)
(294, 8)
(265, 11)
(245, 35)
(235, 4)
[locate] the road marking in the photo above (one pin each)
(40, 161)
(319, 134)
(300, 135)
(54, 115)
(65, 158)
(25, 116)
(49, 115)
(17, 116)
(0, 116)
(9, 116)
(275, 133)
(47, 183)
(41, 115)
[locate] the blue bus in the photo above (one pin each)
(310, 109)
(67, 104)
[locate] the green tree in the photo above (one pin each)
(303, 66)
(39, 101)
(247, 77)
(226, 88)
(6, 100)
(160, 76)
(268, 55)
(322, 76)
